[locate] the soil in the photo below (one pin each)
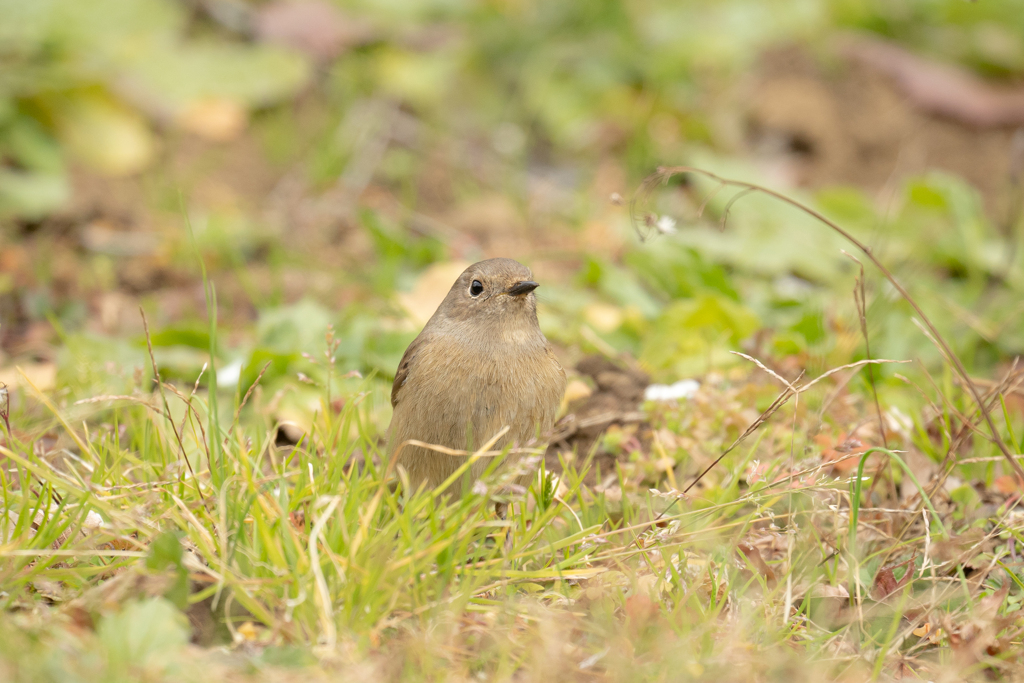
(845, 123)
(616, 400)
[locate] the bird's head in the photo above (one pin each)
(494, 295)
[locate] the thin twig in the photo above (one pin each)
(728, 205)
(460, 453)
(707, 200)
(780, 401)
(766, 369)
(857, 364)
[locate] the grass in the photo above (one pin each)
(308, 561)
(165, 534)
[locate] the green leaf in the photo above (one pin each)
(147, 637)
(279, 365)
(692, 336)
(195, 338)
(295, 328)
(31, 195)
(619, 285)
(966, 501)
(810, 327)
(288, 656)
(30, 145)
(103, 133)
(384, 351)
(678, 271)
(420, 78)
(165, 554)
(176, 76)
(943, 221)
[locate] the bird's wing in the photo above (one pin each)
(554, 360)
(402, 374)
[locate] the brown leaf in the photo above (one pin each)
(988, 607)
(838, 452)
(1005, 484)
(753, 556)
(318, 29)
(941, 89)
(977, 638)
(828, 604)
(79, 618)
(960, 548)
(886, 583)
(219, 119)
(430, 289)
(640, 609)
(42, 375)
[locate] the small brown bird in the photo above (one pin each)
(480, 364)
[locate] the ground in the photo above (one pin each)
(197, 349)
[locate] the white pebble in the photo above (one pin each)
(685, 388)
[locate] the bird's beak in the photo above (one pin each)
(524, 287)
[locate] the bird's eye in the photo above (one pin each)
(476, 288)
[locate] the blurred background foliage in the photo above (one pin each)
(334, 164)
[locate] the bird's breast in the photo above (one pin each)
(480, 391)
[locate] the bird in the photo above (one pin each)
(480, 364)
